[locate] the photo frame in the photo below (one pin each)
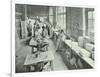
(72, 31)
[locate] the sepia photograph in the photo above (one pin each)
(54, 38)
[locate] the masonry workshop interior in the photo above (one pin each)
(53, 38)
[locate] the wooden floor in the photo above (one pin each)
(22, 49)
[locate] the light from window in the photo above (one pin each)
(91, 24)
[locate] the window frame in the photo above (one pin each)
(87, 20)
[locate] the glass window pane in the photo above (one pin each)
(51, 11)
(91, 29)
(51, 19)
(60, 9)
(64, 22)
(64, 9)
(60, 21)
(90, 15)
(90, 23)
(90, 26)
(93, 14)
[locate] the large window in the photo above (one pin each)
(90, 23)
(61, 17)
(57, 16)
(51, 15)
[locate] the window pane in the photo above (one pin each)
(60, 20)
(51, 19)
(51, 11)
(64, 9)
(65, 22)
(90, 15)
(90, 26)
(60, 9)
(93, 14)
